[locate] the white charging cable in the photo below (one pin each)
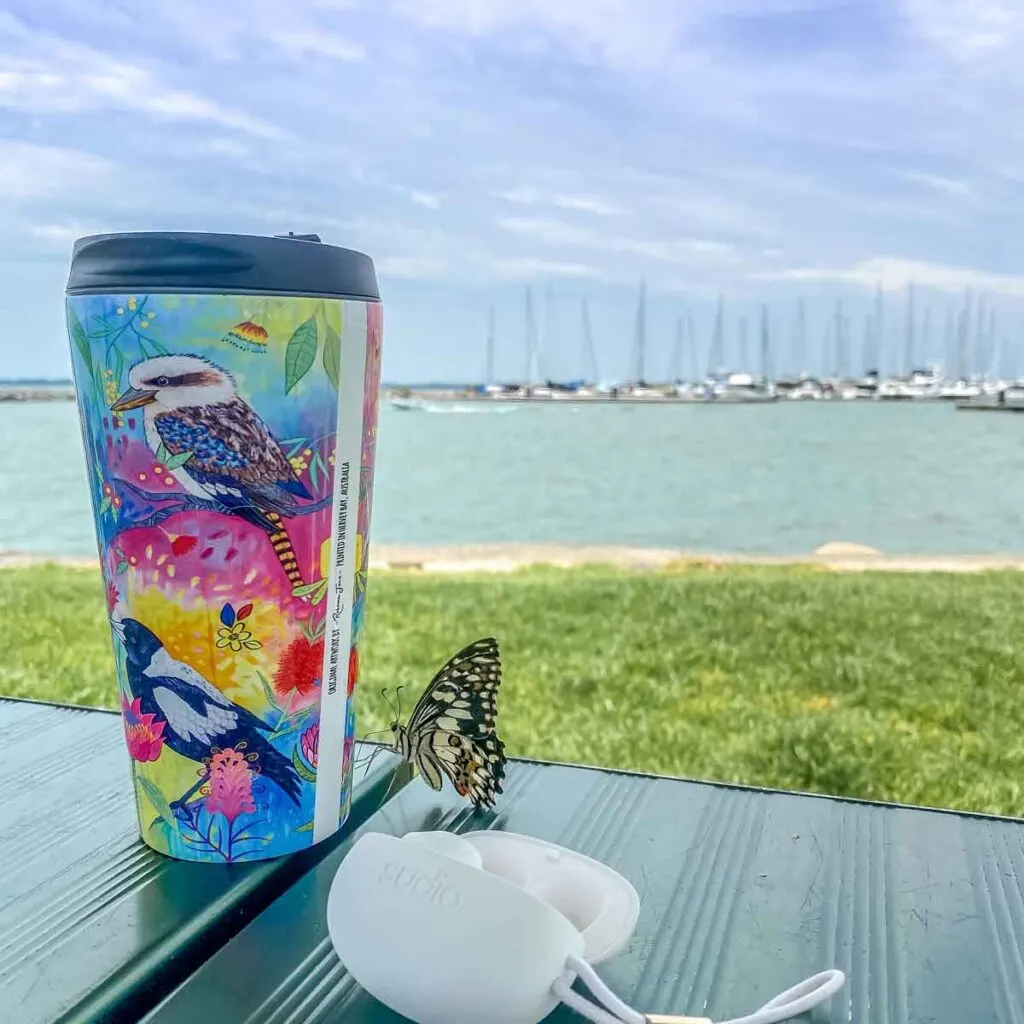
(796, 1000)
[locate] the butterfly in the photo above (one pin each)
(451, 730)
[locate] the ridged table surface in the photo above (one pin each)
(743, 894)
(95, 926)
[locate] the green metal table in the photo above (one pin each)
(95, 926)
(744, 892)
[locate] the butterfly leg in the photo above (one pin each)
(404, 772)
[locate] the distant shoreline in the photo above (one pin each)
(12, 391)
(502, 558)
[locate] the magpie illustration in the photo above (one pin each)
(199, 717)
(191, 406)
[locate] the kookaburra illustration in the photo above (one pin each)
(192, 405)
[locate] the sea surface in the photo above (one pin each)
(777, 479)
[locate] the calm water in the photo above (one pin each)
(779, 479)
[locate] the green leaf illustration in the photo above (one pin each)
(308, 827)
(105, 504)
(267, 691)
(155, 797)
(177, 460)
(80, 339)
(301, 767)
(332, 354)
(162, 454)
(307, 588)
(300, 353)
(159, 824)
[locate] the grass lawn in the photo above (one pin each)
(903, 687)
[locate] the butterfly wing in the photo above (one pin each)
(475, 766)
(452, 727)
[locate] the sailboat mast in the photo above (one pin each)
(530, 328)
(546, 334)
(838, 355)
(908, 341)
(588, 344)
(691, 337)
(800, 342)
(980, 341)
(995, 347)
(867, 344)
(765, 343)
(878, 332)
(641, 332)
(716, 355)
(490, 347)
(926, 335)
(675, 370)
(964, 338)
(826, 347)
(949, 342)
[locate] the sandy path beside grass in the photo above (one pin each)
(507, 557)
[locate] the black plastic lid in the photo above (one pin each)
(195, 261)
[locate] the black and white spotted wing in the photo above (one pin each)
(451, 730)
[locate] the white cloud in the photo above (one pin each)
(527, 268)
(621, 32)
(416, 268)
(659, 249)
(62, 235)
(29, 171)
(586, 204)
(581, 203)
(939, 183)
(41, 73)
(966, 29)
(221, 146)
(316, 43)
(894, 274)
(426, 199)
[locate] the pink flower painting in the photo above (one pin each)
(230, 785)
(144, 732)
(310, 742)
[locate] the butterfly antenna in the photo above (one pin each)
(398, 701)
(387, 700)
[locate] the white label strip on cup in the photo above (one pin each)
(338, 628)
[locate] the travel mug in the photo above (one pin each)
(227, 389)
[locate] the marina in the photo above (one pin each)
(970, 366)
(32, 391)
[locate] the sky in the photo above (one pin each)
(766, 150)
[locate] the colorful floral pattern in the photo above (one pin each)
(143, 732)
(230, 789)
(210, 583)
(310, 744)
(233, 634)
(299, 671)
